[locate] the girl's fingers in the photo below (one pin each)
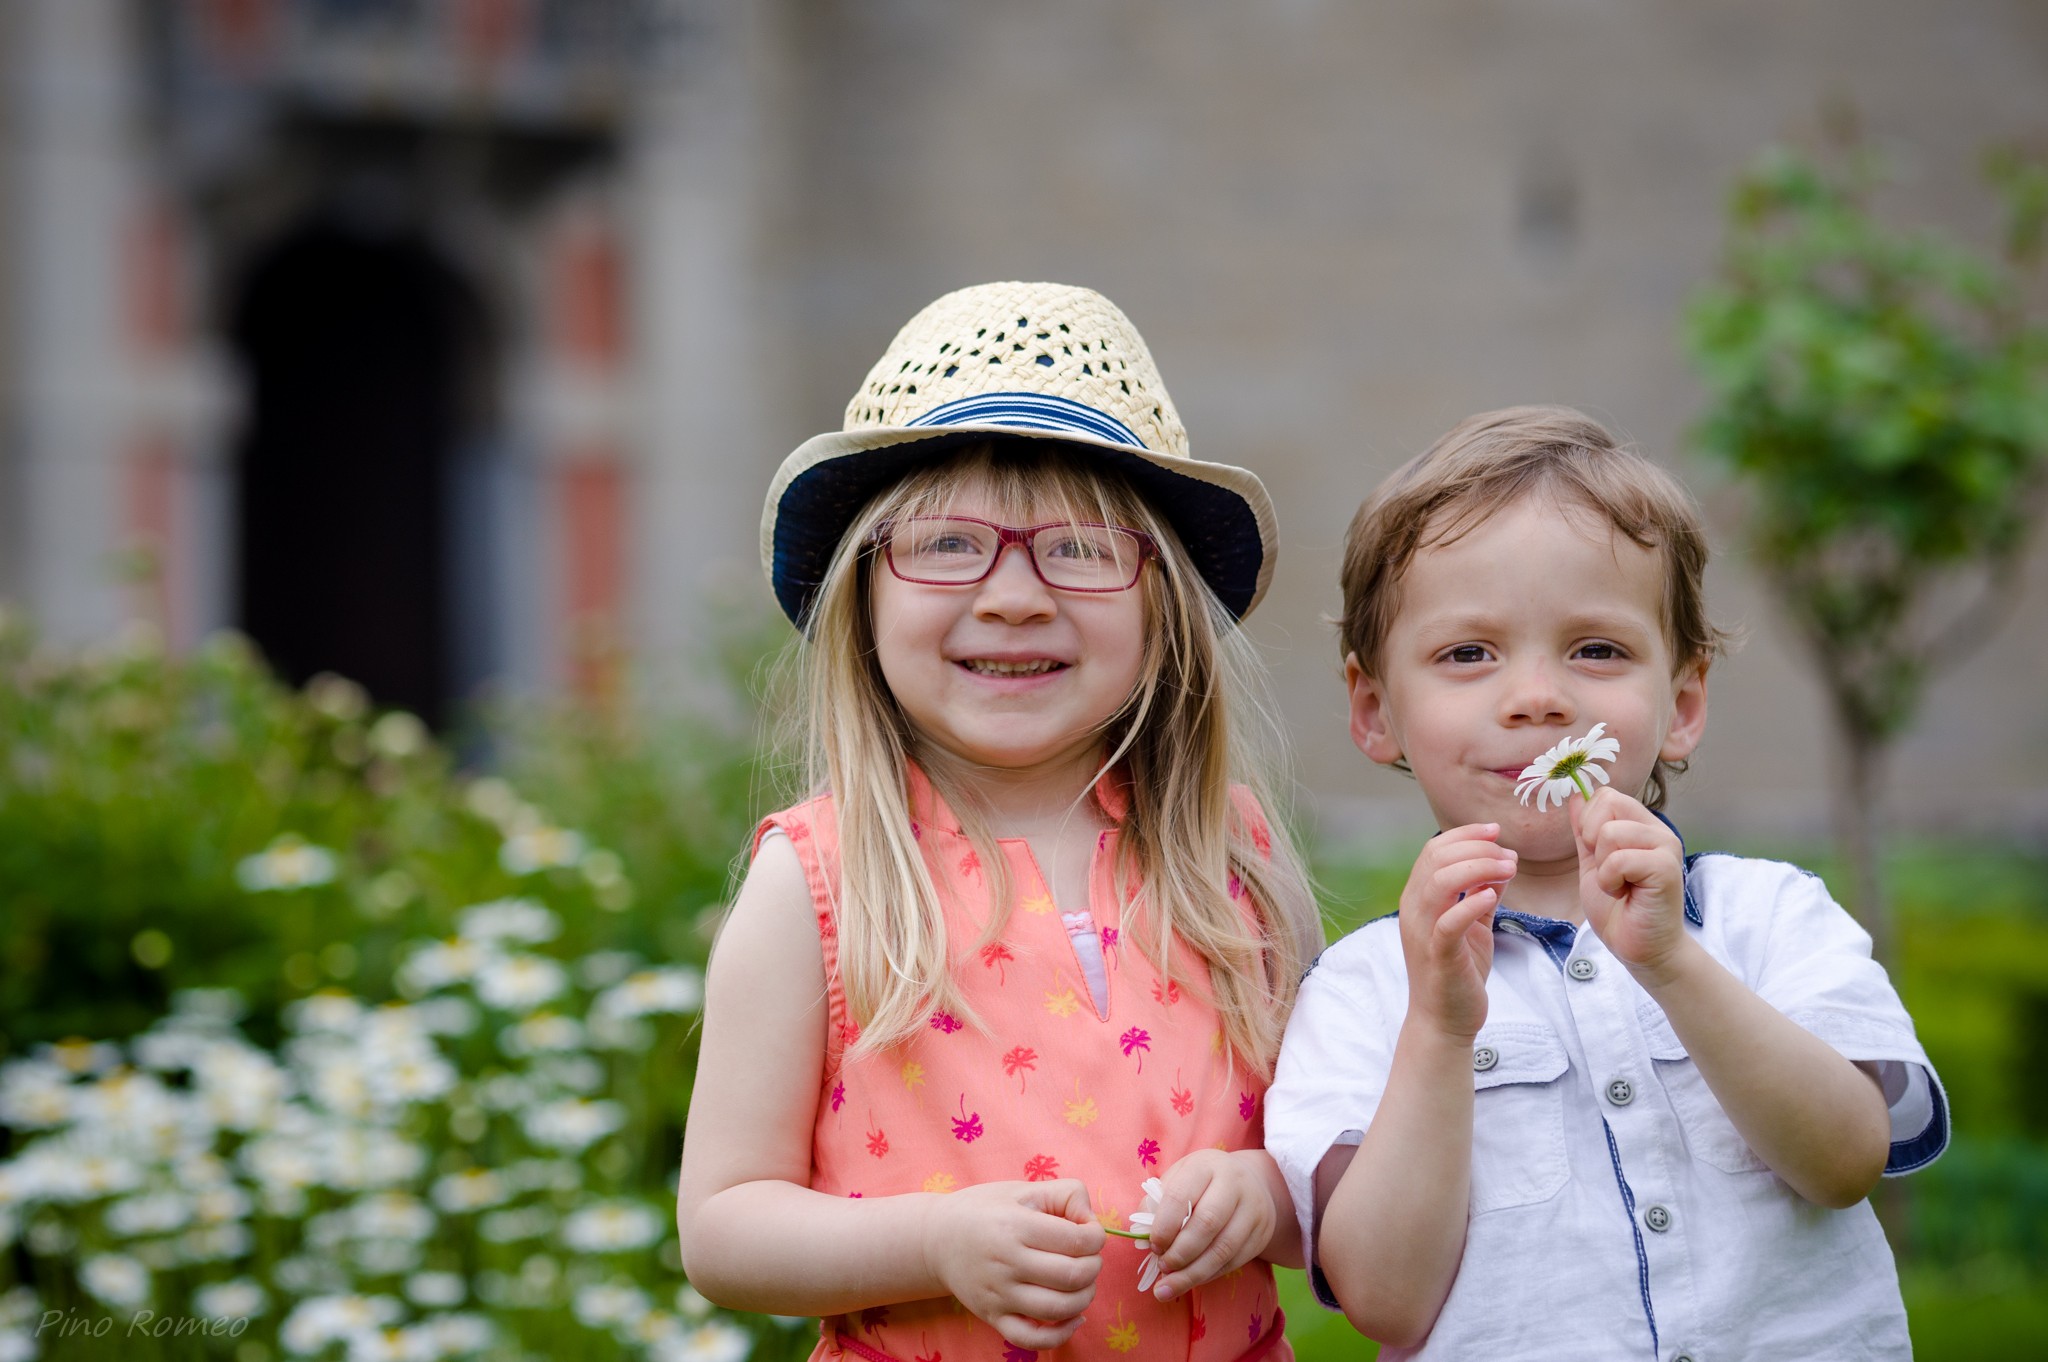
(1046, 1305)
(1176, 1208)
(1057, 1271)
(1230, 1247)
(1036, 1335)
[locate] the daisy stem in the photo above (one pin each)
(1125, 1234)
(1580, 782)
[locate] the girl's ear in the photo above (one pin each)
(1688, 714)
(1372, 721)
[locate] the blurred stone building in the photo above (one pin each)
(445, 341)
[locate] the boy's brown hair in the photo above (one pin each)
(1488, 462)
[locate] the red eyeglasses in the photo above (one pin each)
(953, 550)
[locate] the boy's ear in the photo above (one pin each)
(1688, 714)
(1371, 720)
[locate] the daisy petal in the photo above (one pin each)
(1150, 1274)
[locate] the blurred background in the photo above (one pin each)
(447, 346)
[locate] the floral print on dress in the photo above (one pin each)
(967, 1127)
(1017, 1062)
(1137, 1041)
(994, 956)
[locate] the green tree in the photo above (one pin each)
(1880, 394)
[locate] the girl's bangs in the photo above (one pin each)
(1017, 484)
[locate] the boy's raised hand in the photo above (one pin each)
(1631, 879)
(1022, 1256)
(1447, 925)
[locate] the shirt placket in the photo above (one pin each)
(1645, 1141)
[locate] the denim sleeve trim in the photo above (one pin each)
(1909, 1156)
(1320, 1284)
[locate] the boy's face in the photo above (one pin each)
(1534, 626)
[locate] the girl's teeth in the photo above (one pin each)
(983, 667)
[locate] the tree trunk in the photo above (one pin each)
(1858, 766)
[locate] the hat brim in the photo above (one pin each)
(1222, 514)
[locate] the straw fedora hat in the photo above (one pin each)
(1016, 361)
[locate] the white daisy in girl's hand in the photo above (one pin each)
(1563, 771)
(1141, 1229)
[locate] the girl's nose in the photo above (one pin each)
(1013, 590)
(1537, 693)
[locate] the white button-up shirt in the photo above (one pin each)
(1616, 1211)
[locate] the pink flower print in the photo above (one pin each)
(933, 1356)
(1041, 1168)
(1148, 1152)
(1183, 1100)
(967, 1128)
(878, 1143)
(796, 832)
(945, 1023)
(916, 831)
(1263, 840)
(874, 1318)
(970, 864)
(1134, 1040)
(1109, 936)
(1236, 886)
(1166, 994)
(993, 956)
(856, 1195)
(1198, 1327)
(1019, 1060)
(1101, 840)
(838, 1096)
(1247, 1104)
(849, 1032)
(1257, 1327)
(1013, 1353)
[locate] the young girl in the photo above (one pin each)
(1033, 942)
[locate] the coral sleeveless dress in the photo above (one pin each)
(1052, 1089)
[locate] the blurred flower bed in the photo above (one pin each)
(313, 1046)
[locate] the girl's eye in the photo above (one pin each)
(948, 544)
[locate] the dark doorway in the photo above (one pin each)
(363, 349)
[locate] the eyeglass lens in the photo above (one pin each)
(1079, 557)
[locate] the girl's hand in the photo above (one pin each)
(1631, 880)
(1217, 1214)
(1447, 926)
(1022, 1256)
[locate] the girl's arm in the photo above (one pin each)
(754, 1234)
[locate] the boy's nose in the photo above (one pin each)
(1538, 693)
(1013, 590)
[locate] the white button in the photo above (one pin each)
(1581, 968)
(1484, 1058)
(1658, 1218)
(1621, 1092)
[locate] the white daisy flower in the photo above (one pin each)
(670, 989)
(152, 1213)
(713, 1341)
(436, 1290)
(438, 964)
(613, 1227)
(115, 1279)
(315, 1323)
(454, 1335)
(81, 1057)
(606, 1305)
(241, 1298)
(289, 862)
(1139, 1227)
(540, 846)
(501, 920)
(542, 1033)
(520, 983)
(472, 1189)
(1562, 772)
(572, 1124)
(399, 734)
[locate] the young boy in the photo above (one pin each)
(1584, 1096)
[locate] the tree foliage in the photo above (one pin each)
(1880, 393)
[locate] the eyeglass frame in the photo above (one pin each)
(1006, 535)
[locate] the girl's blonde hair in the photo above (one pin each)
(1194, 727)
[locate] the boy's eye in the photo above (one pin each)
(1466, 652)
(1599, 652)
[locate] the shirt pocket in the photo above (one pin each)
(1518, 1153)
(1710, 1136)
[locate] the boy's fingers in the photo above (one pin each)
(1632, 865)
